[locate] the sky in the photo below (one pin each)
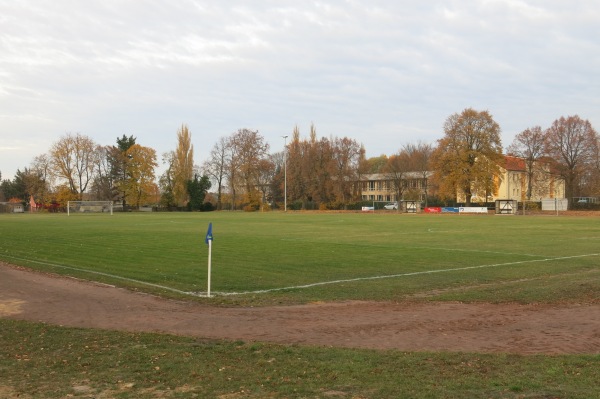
(384, 73)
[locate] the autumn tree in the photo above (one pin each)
(594, 183)
(118, 165)
(246, 149)
(264, 177)
(529, 145)
(73, 159)
(376, 164)
(183, 165)
(467, 159)
(347, 154)
(41, 183)
(140, 186)
(572, 142)
(296, 155)
(323, 172)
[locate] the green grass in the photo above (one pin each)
(38, 361)
(339, 256)
(389, 257)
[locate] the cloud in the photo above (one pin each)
(382, 72)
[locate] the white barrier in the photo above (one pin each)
(472, 209)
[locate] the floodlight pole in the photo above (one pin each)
(285, 173)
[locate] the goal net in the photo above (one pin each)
(89, 207)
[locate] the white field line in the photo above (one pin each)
(106, 275)
(479, 251)
(307, 285)
(402, 275)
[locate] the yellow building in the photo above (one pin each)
(546, 183)
(512, 184)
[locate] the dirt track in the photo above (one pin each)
(524, 329)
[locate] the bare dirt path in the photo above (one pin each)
(524, 329)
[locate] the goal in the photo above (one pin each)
(89, 207)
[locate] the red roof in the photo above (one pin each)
(514, 163)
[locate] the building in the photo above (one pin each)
(387, 187)
(11, 207)
(512, 184)
(546, 183)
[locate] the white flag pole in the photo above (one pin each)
(209, 265)
(208, 240)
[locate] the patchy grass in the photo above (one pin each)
(40, 361)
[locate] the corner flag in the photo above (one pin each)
(208, 240)
(209, 234)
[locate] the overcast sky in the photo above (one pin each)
(384, 73)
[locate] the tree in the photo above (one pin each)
(118, 165)
(40, 181)
(167, 198)
(296, 165)
(183, 164)
(216, 166)
(140, 186)
(467, 159)
(572, 143)
(529, 145)
(376, 164)
(102, 184)
(419, 158)
(247, 149)
(73, 159)
(18, 187)
(396, 169)
(347, 154)
(264, 177)
(197, 189)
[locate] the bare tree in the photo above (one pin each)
(529, 145)
(216, 166)
(396, 169)
(572, 143)
(419, 156)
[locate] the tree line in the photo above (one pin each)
(315, 172)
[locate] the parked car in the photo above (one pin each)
(391, 205)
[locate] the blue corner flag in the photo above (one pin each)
(209, 235)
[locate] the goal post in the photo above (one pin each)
(76, 207)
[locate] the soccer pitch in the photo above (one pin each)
(303, 257)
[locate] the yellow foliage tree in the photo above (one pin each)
(140, 186)
(468, 157)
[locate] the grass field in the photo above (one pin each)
(302, 257)
(38, 361)
(270, 258)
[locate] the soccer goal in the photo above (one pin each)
(89, 207)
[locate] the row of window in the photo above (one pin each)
(384, 185)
